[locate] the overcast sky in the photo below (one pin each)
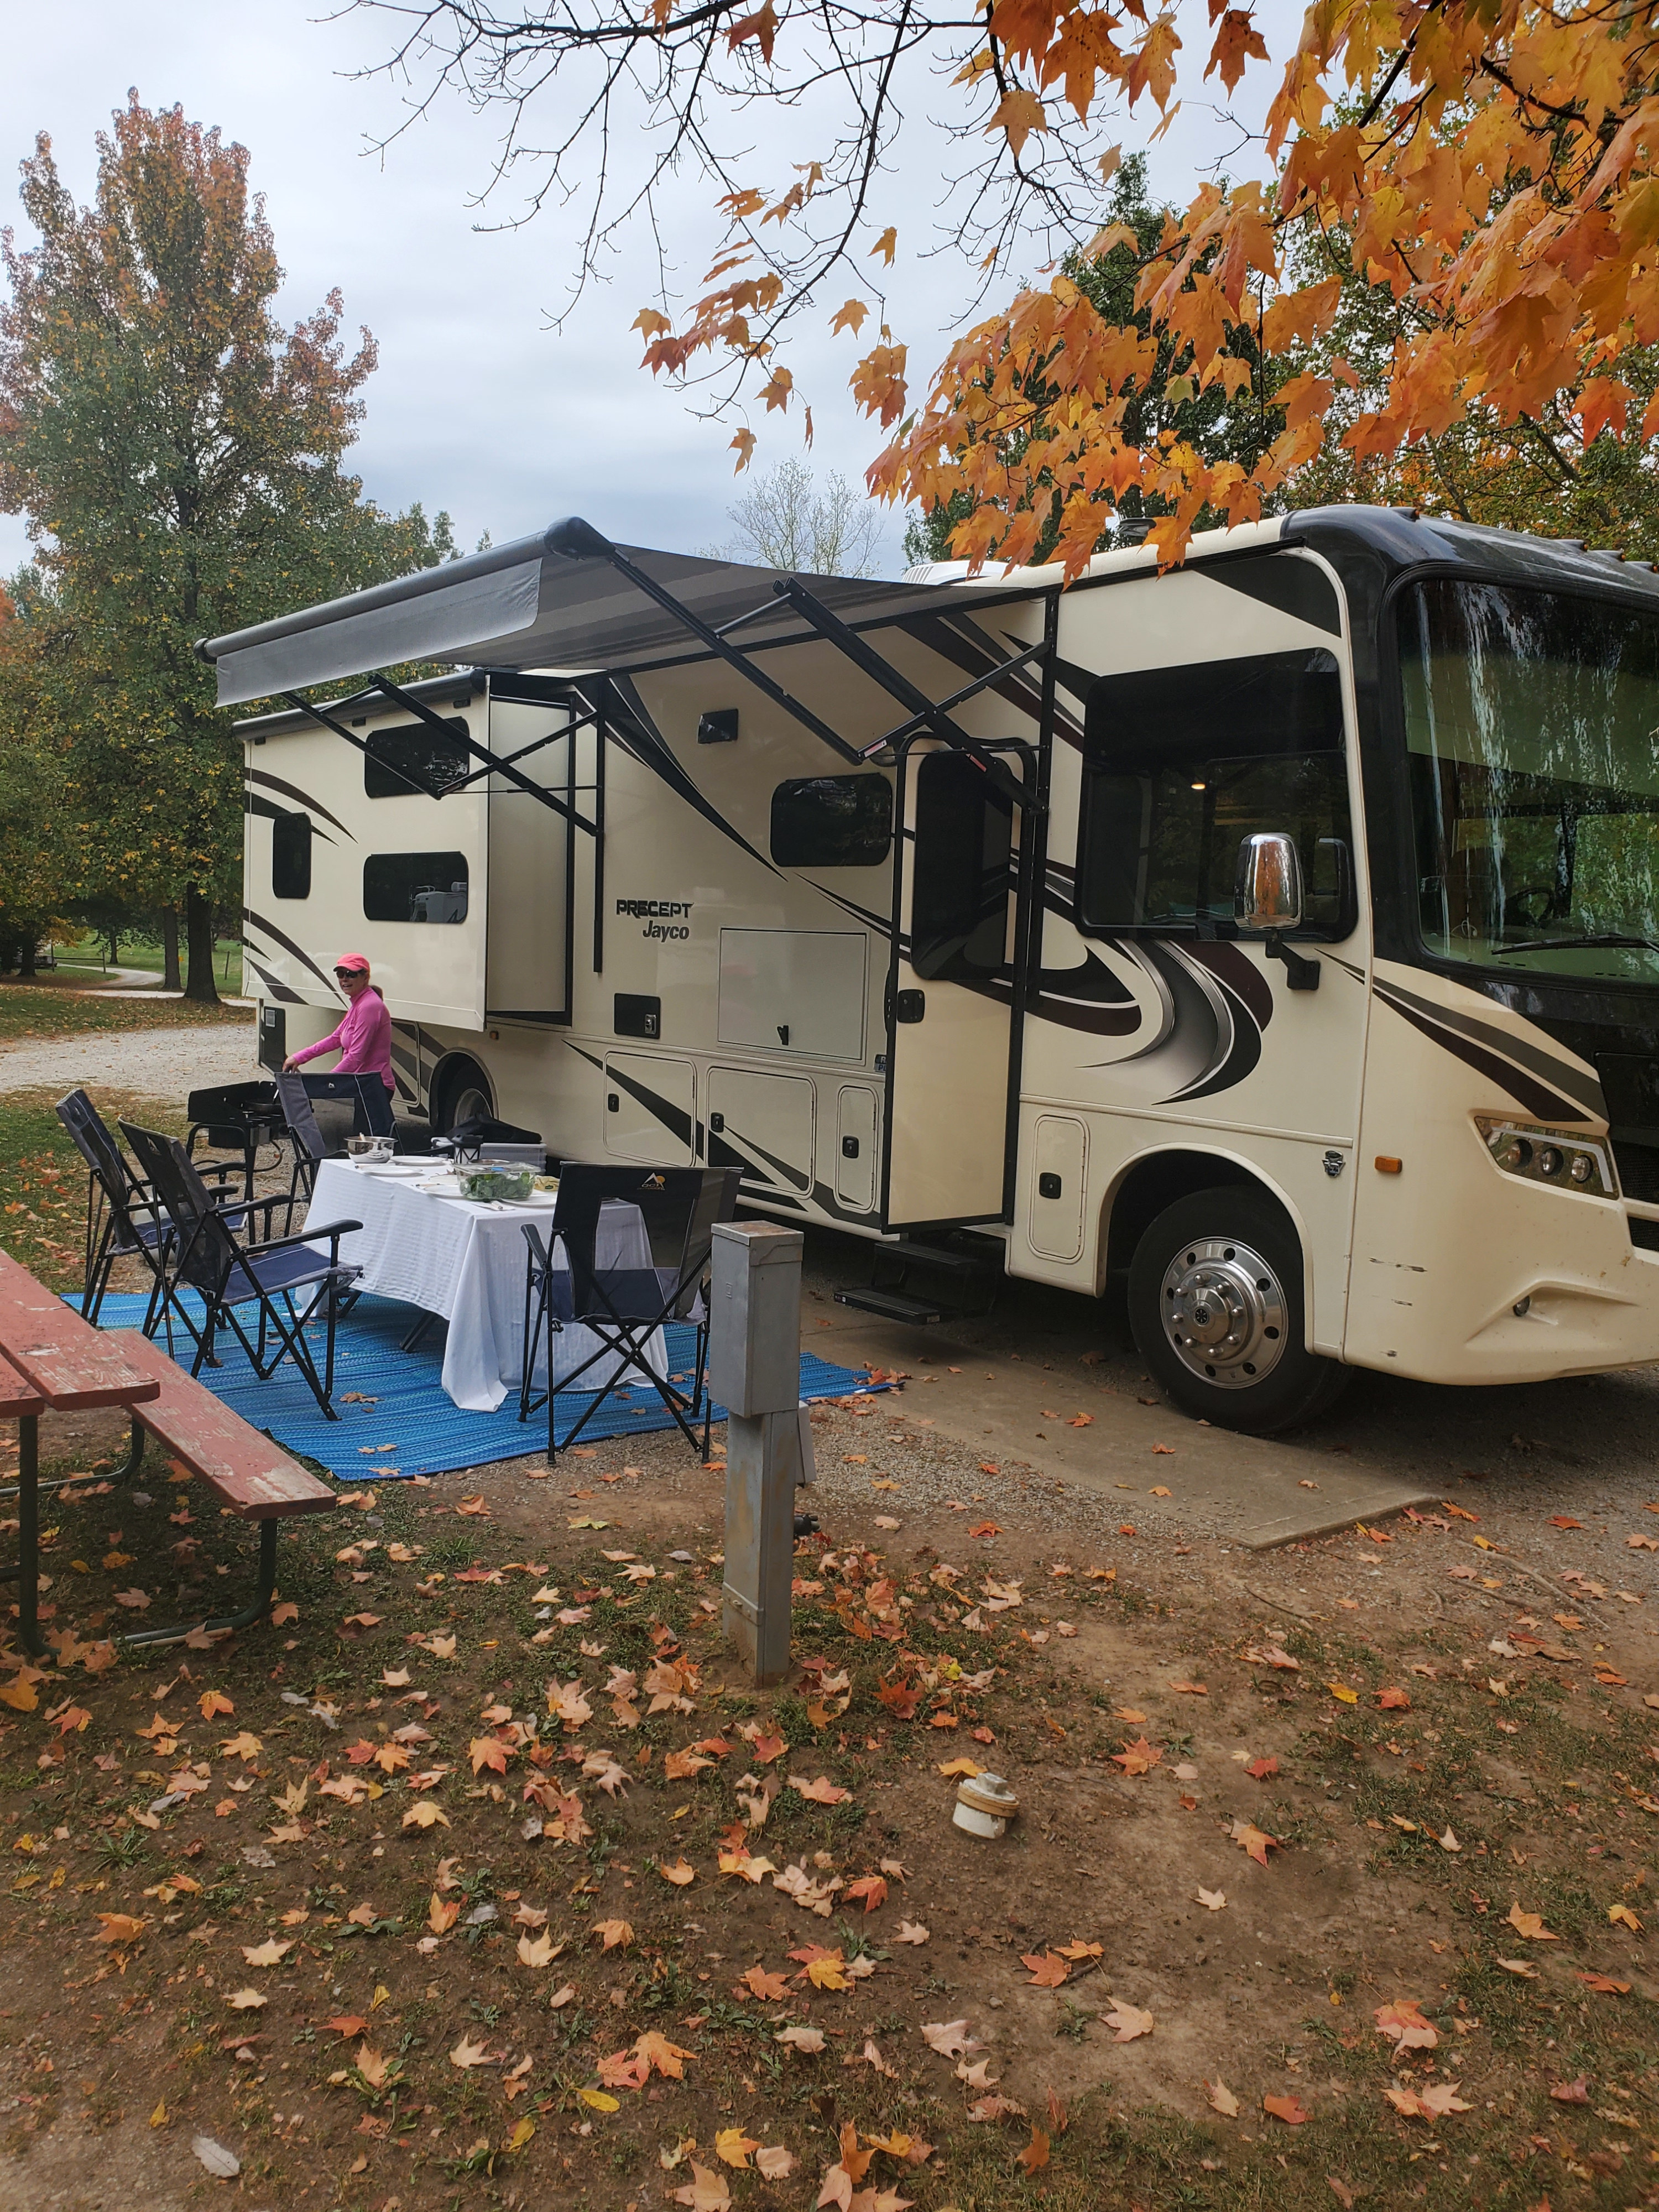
(477, 405)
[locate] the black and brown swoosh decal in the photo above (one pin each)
(280, 936)
(1495, 1052)
(292, 791)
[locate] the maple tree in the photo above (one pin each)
(178, 456)
(1493, 163)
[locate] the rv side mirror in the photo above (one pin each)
(1267, 891)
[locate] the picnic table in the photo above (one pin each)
(51, 1361)
(464, 1263)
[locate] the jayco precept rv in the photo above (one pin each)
(1279, 932)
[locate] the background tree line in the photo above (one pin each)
(179, 456)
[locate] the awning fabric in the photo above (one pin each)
(533, 604)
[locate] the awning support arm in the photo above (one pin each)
(412, 777)
(900, 687)
(717, 644)
(968, 691)
(534, 746)
(423, 713)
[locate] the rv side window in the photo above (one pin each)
(959, 887)
(290, 856)
(396, 757)
(832, 822)
(1182, 764)
(415, 887)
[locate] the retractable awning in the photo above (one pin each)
(562, 600)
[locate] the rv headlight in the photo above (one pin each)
(1549, 1156)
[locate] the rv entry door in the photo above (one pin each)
(948, 990)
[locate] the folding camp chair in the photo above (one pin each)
(123, 1219)
(307, 1140)
(289, 1280)
(624, 1307)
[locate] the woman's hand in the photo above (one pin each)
(290, 1065)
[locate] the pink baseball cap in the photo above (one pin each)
(351, 960)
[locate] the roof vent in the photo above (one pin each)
(1133, 530)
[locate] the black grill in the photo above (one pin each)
(1644, 1234)
(1638, 1170)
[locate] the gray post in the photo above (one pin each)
(754, 1370)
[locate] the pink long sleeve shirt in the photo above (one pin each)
(363, 1040)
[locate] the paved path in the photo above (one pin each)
(151, 1063)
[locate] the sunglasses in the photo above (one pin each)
(346, 974)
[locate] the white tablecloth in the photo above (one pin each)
(467, 1262)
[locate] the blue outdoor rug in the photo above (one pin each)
(409, 1409)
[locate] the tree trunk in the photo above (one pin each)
(171, 978)
(198, 933)
(26, 955)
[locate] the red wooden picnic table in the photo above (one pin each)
(50, 1361)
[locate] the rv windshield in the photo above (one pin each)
(1532, 728)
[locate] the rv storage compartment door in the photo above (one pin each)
(763, 1124)
(798, 990)
(949, 992)
(855, 1148)
(648, 1106)
(526, 958)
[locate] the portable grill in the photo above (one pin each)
(236, 1117)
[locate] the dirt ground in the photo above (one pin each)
(270, 1895)
(1452, 1745)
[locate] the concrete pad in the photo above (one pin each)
(1029, 1392)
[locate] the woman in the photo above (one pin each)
(363, 1039)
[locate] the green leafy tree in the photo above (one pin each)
(179, 455)
(1234, 423)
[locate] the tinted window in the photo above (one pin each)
(418, 749)
(832, 822)
(290, 856)
(415, 887)
(1182, 764)
(959, 888)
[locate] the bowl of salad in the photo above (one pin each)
(492, 1179)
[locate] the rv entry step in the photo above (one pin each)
(960, 1280)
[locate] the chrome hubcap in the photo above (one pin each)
(1224, 1312)
(472, 1105)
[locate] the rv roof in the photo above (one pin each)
(535, 604)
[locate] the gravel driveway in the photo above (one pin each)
(149, 1063)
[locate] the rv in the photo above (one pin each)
(1275, 936)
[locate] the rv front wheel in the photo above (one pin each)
(1215, 1302)
(463, 1095)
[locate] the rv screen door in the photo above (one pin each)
(948, 993)
(527, 950)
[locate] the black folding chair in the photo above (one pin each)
(306, 1138)
(287, 1278)
(624, 1307)
(122, 1219)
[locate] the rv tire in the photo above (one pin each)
(462, 1094)
(1216, 1306)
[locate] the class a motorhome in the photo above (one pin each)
(1276, 937)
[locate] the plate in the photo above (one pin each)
(396, 1168)
(542, 1201)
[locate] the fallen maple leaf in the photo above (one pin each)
(1212, 1899)
(1138, 1757)
(1048, 1970)
(801, 2038)
(1127, 2021)
(822, 1791)
(1622, 1916)
(270, 1953)
(774, 2161)
(1530, 1924)
(1431, 2103)
(1259, 1768)
(732, 2148)
(426, 1814)
(705, 2191)
(770, 1988)
(120, 1928)
(871, 1889)
(1285, 2109)
(246, 1999)
(441, 1914)
(1222, 2100)
(1570, 2093)
(1254, 1840)
(611, 1933)
(467, 2054)
(212, 1703)
(1034, 2156)
(950, 2038)
(910, 1931)
(1404, 2026)
(679, 1873)
(348, 2024)
(1394, 1701)
(537, 1951)
(1604, 1986)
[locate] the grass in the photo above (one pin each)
(84, 961)
(43, 1182)
(52, 1008)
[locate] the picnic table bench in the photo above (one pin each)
(51, 1361)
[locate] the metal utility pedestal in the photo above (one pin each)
(754, 1370)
